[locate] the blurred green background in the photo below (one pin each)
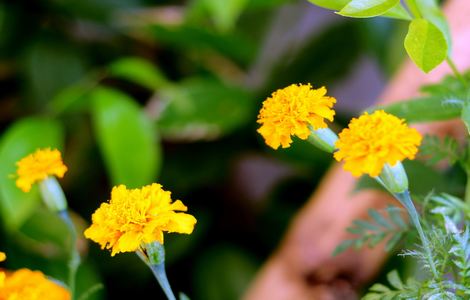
(138, 91)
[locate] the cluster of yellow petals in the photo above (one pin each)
(372, 140)
(291, 111)
(37, 166)
(136, 216)
(25, 284)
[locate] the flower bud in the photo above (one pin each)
(394, 178)
(323, 138)
(52, 194)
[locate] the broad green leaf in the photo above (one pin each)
(395, 11)
(425, 44)
(128, 142)
(429, 10)
(19, 140)
(367, 8)
(466, 116)
(138, 70)
(202, 109)
(422, 110)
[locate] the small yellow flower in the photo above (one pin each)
(25, 284)
(37, 166)
(136, 216)
(290, 111)
(372, 140)
(2, 256)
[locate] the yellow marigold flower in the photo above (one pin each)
(290, 111)
(372, 140)
(25, 284)
(136, 216)
(2, 256)
(37, 166)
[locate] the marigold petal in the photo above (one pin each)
(373, 140)
(291, 111)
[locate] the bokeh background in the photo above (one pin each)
(140, 91)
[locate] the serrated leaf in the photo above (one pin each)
(127, 139)
(22, 138)
(343, 247)
(379, 288)
(435, 149)
(425, 44)
(422, 110)
(393, 241)
(394, 280)
(367, 8)
(395, 216)
(366, 225)
(379, 219)
(376, 239)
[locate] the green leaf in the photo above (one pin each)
(422, 110)
(343, 247)
(395, 216)
(391, 243)
(394, 280)
(202, 109)
(19, 140)
(430, 10)
(379, 219)
(128, 142)
(435, 149)
(396, 11)
(225, 13)
(425, 44)
(367, 8)
(138, 70)
(466, 116)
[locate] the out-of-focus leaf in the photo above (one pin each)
(423, 110)
(225, 13)
(425, 44)
(202, 109)
(44, 233)
(367, 8)
(89, 281)
(138, 70)
(21, 139)
(74, 98)
(223, 272)
(51, 67)
(397, 11)
(188, 37)
(466, 116)
(127, 140)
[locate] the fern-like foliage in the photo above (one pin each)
(435, 149)
(390, 225)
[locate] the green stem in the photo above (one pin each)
(405, 199)
(467, 189)
(160, 275)
(74, 258)
(456, 71)
(411, 4)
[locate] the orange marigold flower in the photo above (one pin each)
(372, 140)
(136, 216)
(31, 285)
(292, 111)
(37, 166)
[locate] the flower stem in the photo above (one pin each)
(74, 258)
(456, 71)
(160, 275)
(406, 201)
